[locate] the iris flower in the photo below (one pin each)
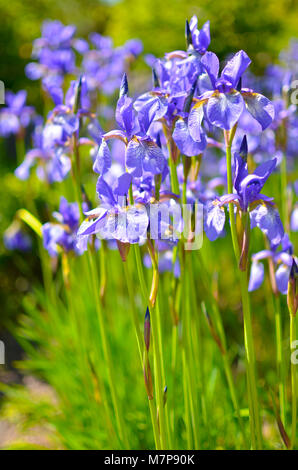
(282, 260)
(142, 154)
(62, 233)
(114, 219)
(16, 115)
(247, 199)
(223, 100)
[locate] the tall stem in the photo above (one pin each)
(107, 354)
(293, 329)
(140, 343)
(248, 336)
(279, 360)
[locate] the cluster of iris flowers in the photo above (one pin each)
(202, 136)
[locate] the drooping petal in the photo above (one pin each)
(224, 109)
(184, 141)
(214, 221)
(282, 278)
(92, 225)
(256, 276)
(267, 218)
(103, 159)
(134, 156)
(153, 159)
(260, 108)
(122, 185)
(195, 120)
(236, 67)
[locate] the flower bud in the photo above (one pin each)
(293, 289)
(243, 149)
(165, 395)
(124, 86)
(189, 98)
(77, 100)
(188, 36)
(123, 249)
(155, 78)
(148, 379)
(147, 328)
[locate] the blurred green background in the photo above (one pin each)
(261, 27)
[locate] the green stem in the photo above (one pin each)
(173, 169)
(156, 348)
(221, 331)
(250, 358)
(230, 191)
(248, 336)
(293, 329)
(158, 376)
(140, 342)
(279, 360)
(107, 355)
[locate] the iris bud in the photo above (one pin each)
(292, 298)
(155, 78)
(124, 86)
(188, 36)
(147, 328)
(123, 249)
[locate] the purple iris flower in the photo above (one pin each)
(187, 143)
(247, 198)
(49, 153)
(16, 115)
(114, 219)
(52, 144)
(61, 235)
(282, 259)
(221, 100)
(200, 38)
(142, 154)
(104, 65)
(53, 51)
(15, 239)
